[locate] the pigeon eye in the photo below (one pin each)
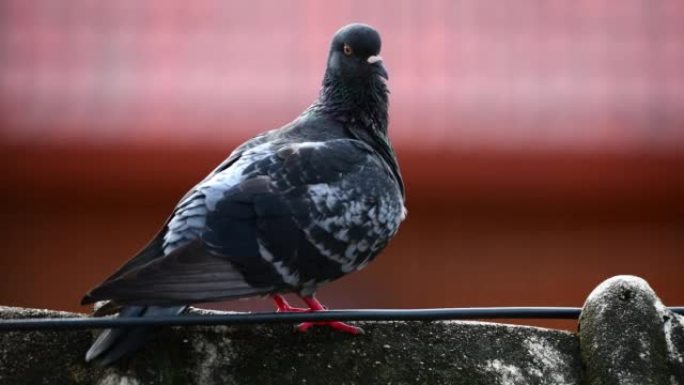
(348, 50)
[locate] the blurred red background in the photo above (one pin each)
(541, 143)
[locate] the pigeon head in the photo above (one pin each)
(355, 54)
(355, 79)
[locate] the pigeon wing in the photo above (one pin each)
(155, 247)
(314, 207)
(187, 275)
(254, 228)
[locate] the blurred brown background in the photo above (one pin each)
(542, 143)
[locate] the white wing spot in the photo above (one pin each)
(290, 277)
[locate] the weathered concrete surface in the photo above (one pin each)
(469, 353)
(628, 336)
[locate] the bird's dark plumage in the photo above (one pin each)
(288, 211)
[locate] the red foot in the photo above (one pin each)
(284, 307)
(335, 325)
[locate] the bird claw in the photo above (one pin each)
(335, 325)
(282, 306)
(292, 309)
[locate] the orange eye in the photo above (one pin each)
(348, 50)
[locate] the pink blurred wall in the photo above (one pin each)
(528, 74)
(541, 141)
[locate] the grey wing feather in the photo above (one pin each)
(155, 249)
(271, 221)
(186, 275)
(311, 202)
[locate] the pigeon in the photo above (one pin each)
(287, 212)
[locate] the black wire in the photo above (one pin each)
(332, 315)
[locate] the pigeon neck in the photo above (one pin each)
(365, 102)
(363, 107)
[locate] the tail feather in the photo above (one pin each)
(113, 344)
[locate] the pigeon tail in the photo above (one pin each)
(113, 344)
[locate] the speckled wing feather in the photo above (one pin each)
(343, 205)
(320, 210)
(157, 248)
(282, 217)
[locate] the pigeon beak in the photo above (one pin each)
(378, 67)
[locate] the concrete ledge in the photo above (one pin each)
(628, 336)
(470, 353)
